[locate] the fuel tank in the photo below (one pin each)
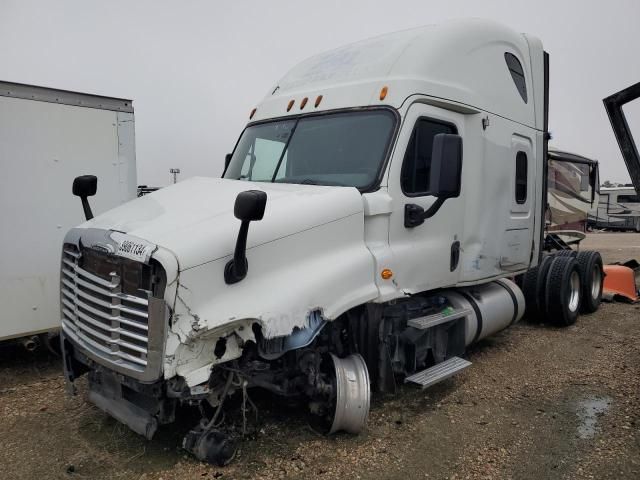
(494, 306)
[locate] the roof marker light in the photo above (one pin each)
(290, 106)
(318, 100)
(383, 92)
(303, 103)
(253, 112)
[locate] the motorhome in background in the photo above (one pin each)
(618, 209)
(572, 190)
(48, 137)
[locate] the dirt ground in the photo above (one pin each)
(538, 402)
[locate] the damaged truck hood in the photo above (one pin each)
(194, 219)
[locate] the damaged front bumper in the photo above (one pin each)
(140, 406)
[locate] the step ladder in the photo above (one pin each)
(428, 321)
(438, 372)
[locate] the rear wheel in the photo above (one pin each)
(592, 278)
(563, 291)
(565, 253)
(533, 286)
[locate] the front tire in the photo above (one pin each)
(563, 292)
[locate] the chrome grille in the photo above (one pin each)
(99, 317)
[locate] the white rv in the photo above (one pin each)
(364, 232)
(618, 209)
(572, 186)
(48, 137)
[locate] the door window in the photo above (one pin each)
(521, 178)
(416, 166)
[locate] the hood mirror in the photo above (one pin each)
(249, 206)
(85, 186)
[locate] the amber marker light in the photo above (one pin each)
(386, 274)
(253, 112)
(383, 92)
(318, 100)
(290, 106)
(303, 103)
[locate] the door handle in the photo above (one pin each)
(455, 255)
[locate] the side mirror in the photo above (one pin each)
(445, 179)
(249, 206)
(446, 166)
(85, 186)
(227, 161)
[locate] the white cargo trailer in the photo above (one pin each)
(48, 137)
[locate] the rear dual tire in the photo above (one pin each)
(533, 287)
(563, 292)
(592, 277)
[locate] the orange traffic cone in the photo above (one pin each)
(620, 280)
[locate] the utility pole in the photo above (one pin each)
(174, 172)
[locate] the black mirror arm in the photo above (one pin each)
(433, 209)
(236, 268)
(87, 208)
(415, 215)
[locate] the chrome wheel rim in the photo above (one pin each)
(596, 282)
(353, 394)
(574, 292)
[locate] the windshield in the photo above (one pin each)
(345, 149)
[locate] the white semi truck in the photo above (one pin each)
(48, 137)
(364, 233)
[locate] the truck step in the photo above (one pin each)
(438, 372)
(422, 323)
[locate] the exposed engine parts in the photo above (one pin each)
(331, 367)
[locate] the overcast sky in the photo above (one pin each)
(194, 69)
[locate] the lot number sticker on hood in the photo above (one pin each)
(132, 247)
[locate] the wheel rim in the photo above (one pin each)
(353, 394)
(596, 282)
(574, 292)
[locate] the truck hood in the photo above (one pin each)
(194, 218)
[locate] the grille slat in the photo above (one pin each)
(94, 309)
(109, 318)
(109, 286)
(122, 355)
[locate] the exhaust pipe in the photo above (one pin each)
(30, 343)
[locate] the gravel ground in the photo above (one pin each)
(538, 402)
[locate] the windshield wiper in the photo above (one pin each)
(311, 181)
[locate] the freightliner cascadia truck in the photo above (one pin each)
(364, 232)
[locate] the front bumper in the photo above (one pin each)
(140, 406)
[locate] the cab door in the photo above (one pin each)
(427, 255)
